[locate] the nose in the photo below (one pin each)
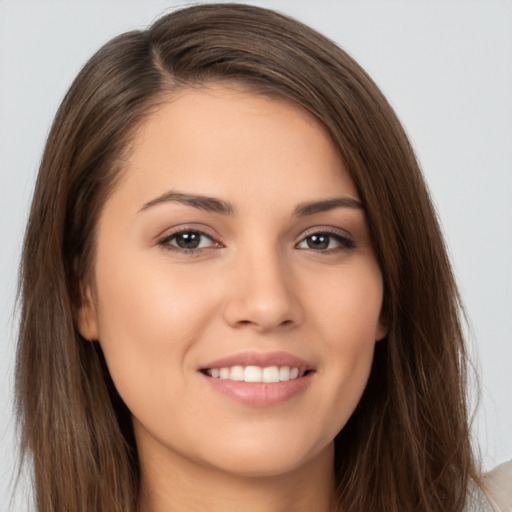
(263, 293)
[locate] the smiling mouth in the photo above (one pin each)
(268, 374)
(259, 379)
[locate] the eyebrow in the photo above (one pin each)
(214, 205)
(209, 204)
(305, 209)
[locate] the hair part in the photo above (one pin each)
(413, 415)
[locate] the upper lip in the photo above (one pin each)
(262, 359)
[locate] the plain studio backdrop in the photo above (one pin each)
(446, 68)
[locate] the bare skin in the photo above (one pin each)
(235, 242)
(210, 490)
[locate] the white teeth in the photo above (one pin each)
(256, 373)
(284, 373)
(236, 373)
(252, 374)
(270, 374)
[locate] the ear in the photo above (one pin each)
(382, 326)
(88, 317)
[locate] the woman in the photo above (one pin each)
(235, 293)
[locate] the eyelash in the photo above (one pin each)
(167, 245)
(343, 241)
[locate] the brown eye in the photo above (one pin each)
(319, 242)
(188, 241)
(325, 242)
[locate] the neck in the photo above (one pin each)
(176, 484)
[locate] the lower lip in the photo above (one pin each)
(260, 394)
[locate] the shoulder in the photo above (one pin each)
(497, 486)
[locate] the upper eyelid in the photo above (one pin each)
(203, 230)
(329, 230)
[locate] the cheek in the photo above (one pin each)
(143, 299)
(349, 321)
(148, 319)
(348, 308)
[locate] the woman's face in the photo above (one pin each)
(235, 247)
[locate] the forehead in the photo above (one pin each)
(222, 141)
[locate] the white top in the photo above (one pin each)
(497, 492)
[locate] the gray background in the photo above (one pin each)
(446, 67)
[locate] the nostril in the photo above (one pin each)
(242, 323)
(248, 323)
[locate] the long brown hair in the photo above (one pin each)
(407, 445)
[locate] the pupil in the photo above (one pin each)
(318, 242)
(188, 240)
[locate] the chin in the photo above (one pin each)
(257, 459)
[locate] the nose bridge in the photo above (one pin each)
(262, 289)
